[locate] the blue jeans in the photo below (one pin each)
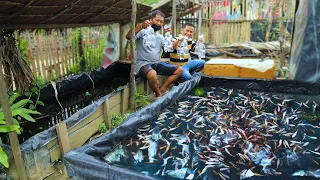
(192, 65)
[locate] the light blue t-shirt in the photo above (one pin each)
(145, 54)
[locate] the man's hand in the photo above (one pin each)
(145, 24)
(201, 40)
(168, 29)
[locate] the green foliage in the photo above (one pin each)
(23, 47)
(93, 48)
(102, 128)
(117, 119)
(141, 99)
(19, 110)
(148, 2)
(275, 32)
(199, 91)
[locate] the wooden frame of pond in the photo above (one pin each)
(81, 132)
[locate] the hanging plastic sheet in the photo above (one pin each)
(84, 80)
(304, 63)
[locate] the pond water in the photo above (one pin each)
(227, 134)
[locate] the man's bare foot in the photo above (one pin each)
(158, 94)
(162, 90)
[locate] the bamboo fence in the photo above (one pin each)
(55, 54)
(230, 22)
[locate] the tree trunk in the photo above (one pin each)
(15, 146)
(81, 51)
(270, 20)
(133, 56)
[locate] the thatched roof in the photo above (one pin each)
(165, 6)
(29, 14)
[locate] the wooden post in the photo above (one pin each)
(15, 146)
(133, 56)
(124, 101)
(63, 137)
(174, 18)
(200, 22)
(106, 114)
(121, 40)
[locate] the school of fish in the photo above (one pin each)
(228, 132)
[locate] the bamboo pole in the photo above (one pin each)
(174, 18)
(133, 56)
(199, 21)
(15, 146)
(281, 38)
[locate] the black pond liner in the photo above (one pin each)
(87, 161)
(34, 150)
(84, 80)
(72, 96)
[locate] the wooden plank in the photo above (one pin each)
(124, 100)
(71, 130)
(47, 58)
(55, 54)
(146, 87)
(106, 113)
(115, 110)
(37, 53)
(41, 58)
(62, 55)
(29, 51)
(63, 137)
(78, 138)
(140, 87)
(115, 100)
(85, 133)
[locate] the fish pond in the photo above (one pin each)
(227, 134)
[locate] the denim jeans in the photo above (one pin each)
(192, 65)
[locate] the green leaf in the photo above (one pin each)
(15, 122)
(10, 93)
(2, 121)
(28, 111)
(34, 89)
(3, 158)
(32, 107)
(13, 98)
(27, 117)
(27, 93)
(6, 128)
(40, 103)
(20, 104)
(40, 81)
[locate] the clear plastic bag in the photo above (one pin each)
(168, 42)
(183, 48)
(168, 47)
(149, 39)
(200, 48)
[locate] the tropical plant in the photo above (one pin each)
(117, 119)
(18, 111)
(102, 128)
(141, 99)
(13, 62)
